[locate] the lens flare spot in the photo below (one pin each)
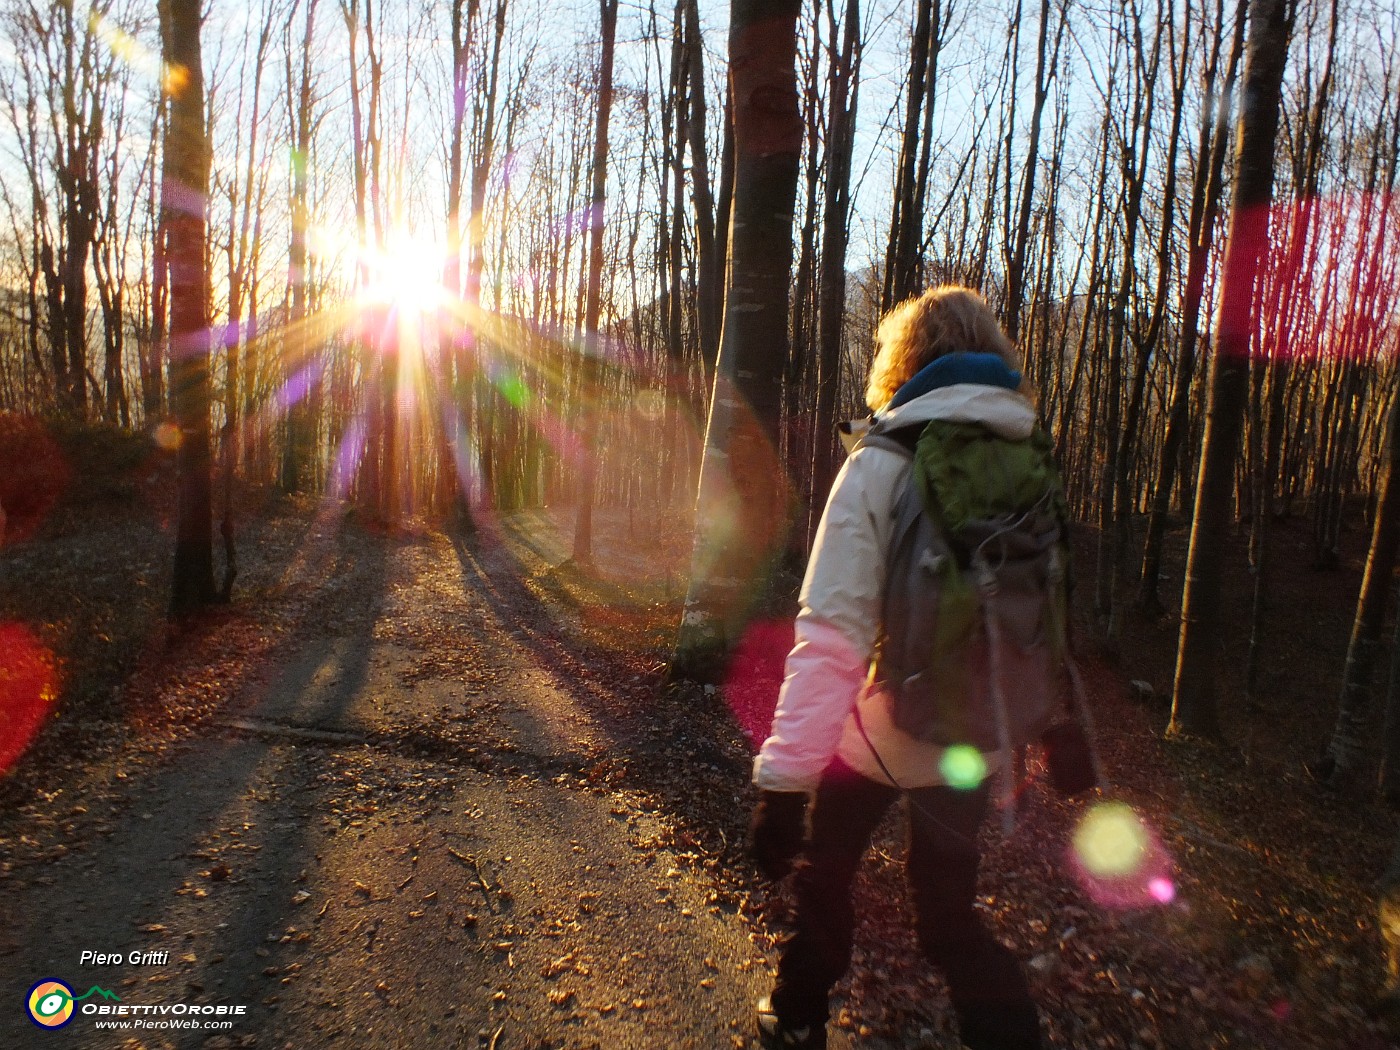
(174, 79)
(33, 475)
(28, 688)
(514, 390)
(963, 767)
(650, 405)
(167, 436)
(125, 47)
(1119, 861)
(755, 675)
(1111, 841)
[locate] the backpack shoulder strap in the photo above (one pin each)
(884, 441)
(900, 440)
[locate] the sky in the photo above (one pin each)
(557, 35)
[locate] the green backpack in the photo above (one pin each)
(973, 644)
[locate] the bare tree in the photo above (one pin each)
(1047, 56)
(743, 503)
(583, 529)
(1194, 699)
(1213, 141)
(843, 82)
(1344, 759)
(184, 199)
(903, 273)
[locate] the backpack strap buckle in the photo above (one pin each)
(982, 574)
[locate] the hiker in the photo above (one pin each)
(833, 742)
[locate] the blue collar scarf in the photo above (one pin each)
(952, 369)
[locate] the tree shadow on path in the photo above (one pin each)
(203, 860)
(677, 744)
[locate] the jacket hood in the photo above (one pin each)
(1004, 412)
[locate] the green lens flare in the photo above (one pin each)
(514, 390)
(963, 767)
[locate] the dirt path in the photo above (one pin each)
(422, 791)
(423, 823)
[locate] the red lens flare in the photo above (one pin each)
(755, 675)
(28, 690)
(34, 477)
(1329, 280)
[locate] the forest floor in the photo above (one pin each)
(423, 788)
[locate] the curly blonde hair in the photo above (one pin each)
(942, 320)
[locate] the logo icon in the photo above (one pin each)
(51, 1002)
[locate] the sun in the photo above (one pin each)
(407, 275)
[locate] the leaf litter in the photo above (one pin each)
(1269, 940)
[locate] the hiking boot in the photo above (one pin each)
(773, 1034)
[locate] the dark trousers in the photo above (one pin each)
(986, 984)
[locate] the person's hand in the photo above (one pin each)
(777, 832)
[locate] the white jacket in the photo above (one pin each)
(842, 595)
